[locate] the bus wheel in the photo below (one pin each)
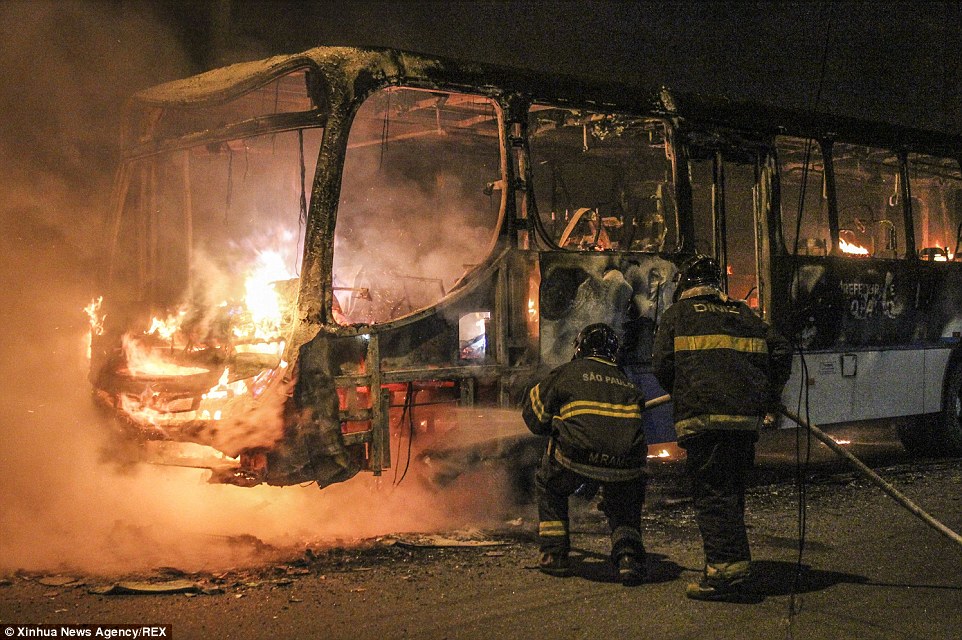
(946, 430)
(916, 434)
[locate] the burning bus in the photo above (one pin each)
(312, 256)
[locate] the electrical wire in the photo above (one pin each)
(407, 462)
(404, 410)
(385, 130)
(407, 409)
(802, 461)
(801, 472)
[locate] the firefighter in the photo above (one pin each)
(592, 415)
(725, 369)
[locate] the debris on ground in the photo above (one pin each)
(440, 541)
(59, 581)
(144, 588)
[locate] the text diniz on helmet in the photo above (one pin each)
(598, 340)
(697, 271)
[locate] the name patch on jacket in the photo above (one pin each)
(711, 307)
(605, 460)
(597, 377)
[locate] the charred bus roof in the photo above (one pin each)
(344, 74)
(350, 73)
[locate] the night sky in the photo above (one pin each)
(897, 61)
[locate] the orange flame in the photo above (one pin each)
(165, 329)
(96, 319)
(851, 248)
(245, 407)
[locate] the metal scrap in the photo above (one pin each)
(147, 588)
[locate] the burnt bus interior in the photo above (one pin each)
(870, 268)
(315, 258)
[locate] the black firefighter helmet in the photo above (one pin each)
(697, 271)
(598, 340)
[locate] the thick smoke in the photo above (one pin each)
(62, 504)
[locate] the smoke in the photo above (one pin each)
(62, 505)
(416, 213)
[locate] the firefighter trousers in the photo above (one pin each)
(718, 466)
(621, 503)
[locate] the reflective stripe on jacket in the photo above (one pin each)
(722, 364)
(593, 414)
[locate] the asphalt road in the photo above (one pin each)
(869, 569)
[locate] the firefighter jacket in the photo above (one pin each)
(724, 366)
(593, 414)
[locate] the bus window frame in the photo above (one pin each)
(530, 212)
(956, 238)
(325, 215)
(827, 146)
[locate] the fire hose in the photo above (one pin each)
(860, 466)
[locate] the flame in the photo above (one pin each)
(661, 454)
(165, 329)
(96, 319)
(840, 441)
(261, 297)
(245, 407)
(852, 249)
(96, 323)
(225, 389)
(142, 361)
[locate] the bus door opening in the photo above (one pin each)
(724, 211)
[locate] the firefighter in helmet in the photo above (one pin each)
(592, 415)
(725, 369)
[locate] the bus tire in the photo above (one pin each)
(946, 430)
(915, 434)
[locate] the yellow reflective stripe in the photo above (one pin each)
(551, 528)
(599, 408)
(536, 404)
(599, 412)
(720, 341)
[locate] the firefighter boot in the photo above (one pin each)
(724, 581)
(555, 564)
(631, 570)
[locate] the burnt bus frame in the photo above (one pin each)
(340, 79)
